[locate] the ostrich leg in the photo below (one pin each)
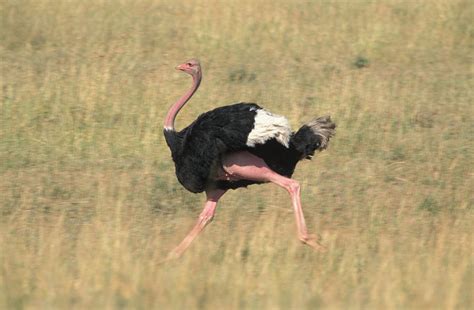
(244, 165)
(205, 218)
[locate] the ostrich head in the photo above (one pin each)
(192, 67)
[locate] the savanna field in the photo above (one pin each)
(89, 202)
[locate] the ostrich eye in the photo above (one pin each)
(189, 64)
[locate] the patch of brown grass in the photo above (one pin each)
(89, 201)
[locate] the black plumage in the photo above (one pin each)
(197, 149)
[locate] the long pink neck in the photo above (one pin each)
(173, 111)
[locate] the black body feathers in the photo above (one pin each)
(197, 149)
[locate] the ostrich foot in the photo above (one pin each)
(175, 254)
(313, 241)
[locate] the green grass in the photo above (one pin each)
(89, 203)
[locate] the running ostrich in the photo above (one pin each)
(238, 145)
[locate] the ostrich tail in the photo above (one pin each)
(313, 136)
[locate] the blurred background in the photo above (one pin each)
(90, 203)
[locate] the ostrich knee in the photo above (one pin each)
(206, 216)
(293, 187)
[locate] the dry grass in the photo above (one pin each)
(90, 203)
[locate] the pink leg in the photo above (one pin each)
(204, 218)
(244, 165)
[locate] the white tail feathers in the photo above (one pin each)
(313, 136)
(324, 128)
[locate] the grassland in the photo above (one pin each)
(88, 198)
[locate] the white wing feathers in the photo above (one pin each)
(268, 126)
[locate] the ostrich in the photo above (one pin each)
(238, 145)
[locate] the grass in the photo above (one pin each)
(89, 201)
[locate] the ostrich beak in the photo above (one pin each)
(180, 67)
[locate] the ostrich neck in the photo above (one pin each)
(173, 111)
